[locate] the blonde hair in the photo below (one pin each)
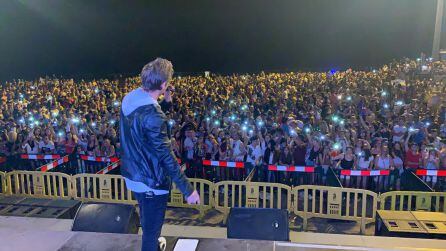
(155, 73)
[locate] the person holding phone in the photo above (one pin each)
(148, 162)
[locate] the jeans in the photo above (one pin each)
(151, 210)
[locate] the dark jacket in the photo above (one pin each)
(146, 152)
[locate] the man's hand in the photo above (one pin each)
(194, 198)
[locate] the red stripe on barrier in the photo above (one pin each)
(385, 172)
(365, 172)
(302, 169)
(53, 165)
(207, 162)
(40, 156)
(107, 169)
(427, 172)
(272, 168)
(309, 169)
(2, 160)
(99, 159)
(421, 172)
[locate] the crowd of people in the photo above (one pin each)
(391, 118)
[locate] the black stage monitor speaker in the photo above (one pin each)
(106, 218)
(258, 224)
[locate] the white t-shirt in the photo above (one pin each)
(237, 150)
(443, 130)
(399, 129)
(254, 154)
(30, 150)
(364, 164)
(189, 143)
(397, 161)
(46, 147)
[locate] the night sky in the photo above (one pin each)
(97, 38)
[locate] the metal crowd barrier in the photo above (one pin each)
(380, 180)
(300, 174)
(206, 190)
(33, 161)
(39, 184)
(103, 188)
(222, 170)
(413, 201)
(93, 164)
(332, 178)
(433, 178)
(411, 182)
(2, 182)
(306, 201)
(335, 203)
(251, 194)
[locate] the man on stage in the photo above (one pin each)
(148, 163)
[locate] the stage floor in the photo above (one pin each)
(37, 234)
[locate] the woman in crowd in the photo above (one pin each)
(383, 161)
(365, 162)
(346, 161)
